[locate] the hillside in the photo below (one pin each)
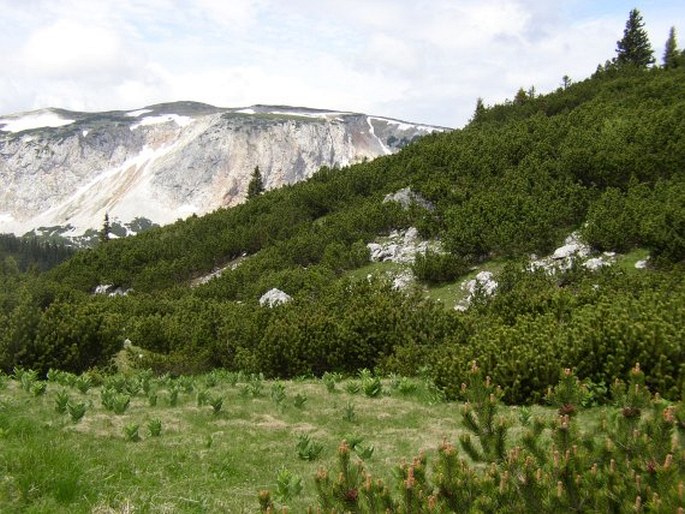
(603, 158)
(61, 171)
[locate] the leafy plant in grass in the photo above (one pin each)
(216, 402)
(53, 375)
(120, 403)
(61, 401)
(233, 378)
(173, 396)
(107, 397)
(76, 410)
(372, 386)
(186, 384)
(307, 448)
(131, 432)
(133, 386)
(278, 393)
(26, 378)
(255, 385)
(152, 399)
(202, 397)
(115, 383)
(330, 380)
(363, 452)
(83, 383)
(211, 379)
(406, 386)
(352, 387)
(349, 413)
(154, 427)
(288, 485)
(146, 384)
(39, 388)
(299, 400)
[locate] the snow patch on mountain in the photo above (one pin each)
(181, 121)
(139, 112)
(30, 121)
(380, 141)
(403, 125)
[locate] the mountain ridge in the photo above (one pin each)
(61, 171)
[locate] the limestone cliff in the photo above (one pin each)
(67, 169)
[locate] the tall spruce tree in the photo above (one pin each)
(480, 110)
(256, 185)
(106, 230)
(634, 49)
(671, 55)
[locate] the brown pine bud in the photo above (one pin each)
(503, 482)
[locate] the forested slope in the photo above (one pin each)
(605, 156)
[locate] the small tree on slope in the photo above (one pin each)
(256, 185)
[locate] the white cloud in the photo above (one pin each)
(417, 60)
(66, 48)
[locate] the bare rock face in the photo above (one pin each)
(168, 161)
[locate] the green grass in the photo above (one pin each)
(627, 261)
(377, 269)
(203, 461)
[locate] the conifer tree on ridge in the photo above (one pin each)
(634, 49)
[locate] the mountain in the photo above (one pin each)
(62, 171)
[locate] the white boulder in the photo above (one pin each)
(595, 263)
(642, 263)
(274, 297)
(406, 197)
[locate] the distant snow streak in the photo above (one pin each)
(181, 121)
(33, 121)
(139, 112)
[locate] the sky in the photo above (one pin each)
(424, 61)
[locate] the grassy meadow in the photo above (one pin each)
(221, 439)
(136, 443)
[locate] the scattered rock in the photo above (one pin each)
(401, 247)
(103, 289)
(406, 197)
(642, 263)
(403, 281)
(274, 297)
(483, 283)
(595, 263)
(573, 247)
(111, 290)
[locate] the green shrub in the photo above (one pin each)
(435, 268)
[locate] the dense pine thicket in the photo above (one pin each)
(605, 155)
(24, 253)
